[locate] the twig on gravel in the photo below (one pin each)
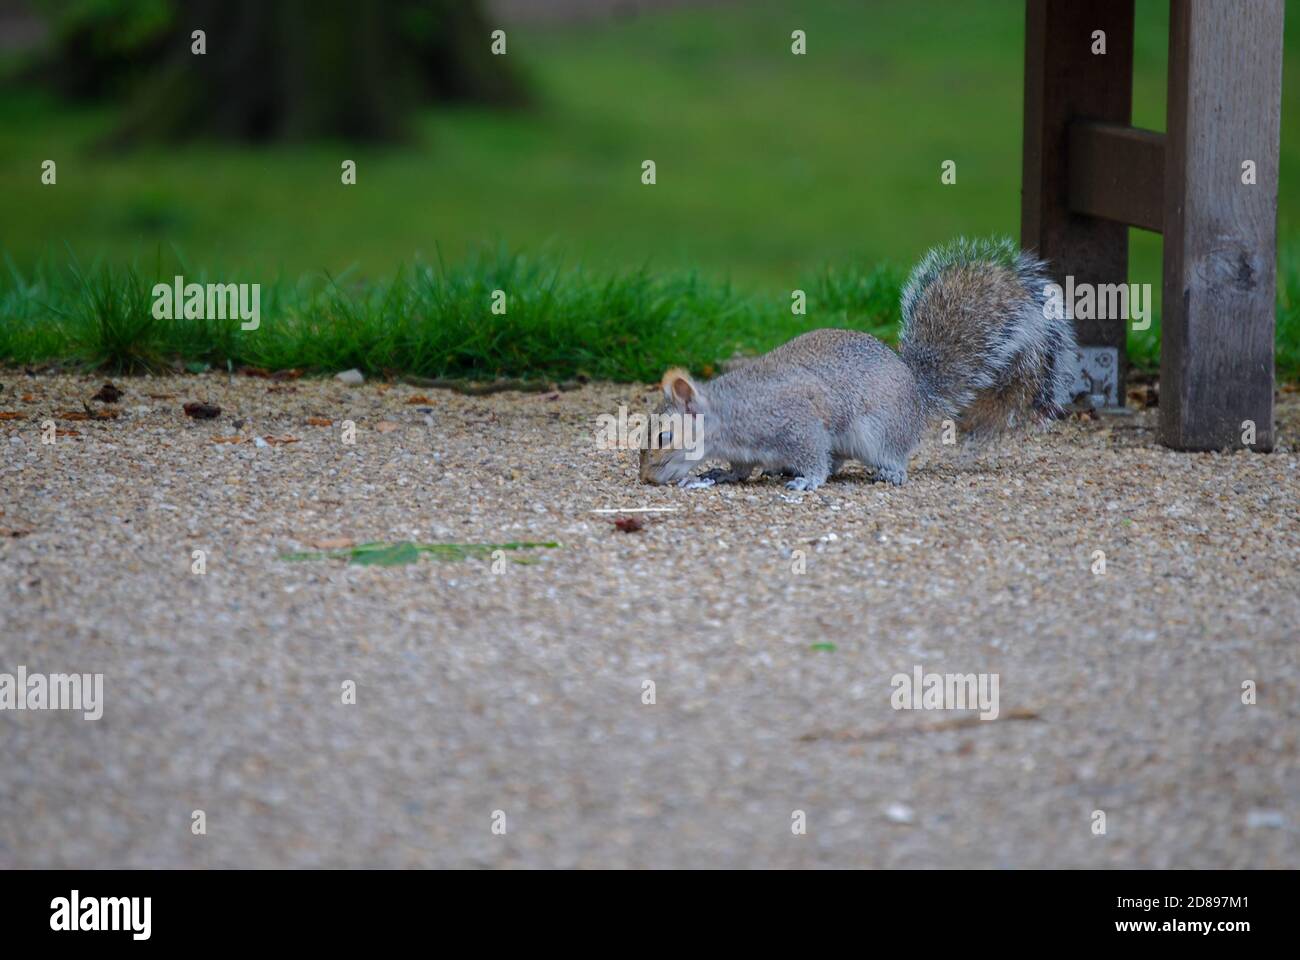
(882, 733)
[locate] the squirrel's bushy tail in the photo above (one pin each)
(978, 339)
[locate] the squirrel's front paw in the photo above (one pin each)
(802, 483)
(696, 483)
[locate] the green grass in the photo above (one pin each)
(560, 323)
(774, 171)
(435, 321)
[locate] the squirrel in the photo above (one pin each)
(979, 344)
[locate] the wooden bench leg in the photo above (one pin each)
(1065, 81)
(1218, 316)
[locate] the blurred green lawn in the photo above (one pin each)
(769, 165)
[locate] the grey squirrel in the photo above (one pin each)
(978, 345)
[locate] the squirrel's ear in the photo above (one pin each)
(679, 388)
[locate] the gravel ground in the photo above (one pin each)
(522, 691)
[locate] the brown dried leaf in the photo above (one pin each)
(319, 422)
(387, 426)
(285, 439)
(630, 524)
(418, 400)
(333, 543)
(108, 394)
(202, 411)
(235, 439)
(12, 415)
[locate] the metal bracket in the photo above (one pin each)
(1096, 380)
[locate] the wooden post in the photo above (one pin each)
(1224, 110)
(1066, 82)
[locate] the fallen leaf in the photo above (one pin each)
(391, 554)
(255, 372)
(387, 426)
(108, 394)
(333, 543)
(395, 555)
(11, 415)
(629, 524)
(285, 439)
(235, 439)
(65, 433)
(319, 422)
(161, 396)
(29, 398)
(202, 411)
(418, 399)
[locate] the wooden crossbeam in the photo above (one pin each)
(1117, 172)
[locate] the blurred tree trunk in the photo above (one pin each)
(289, 69)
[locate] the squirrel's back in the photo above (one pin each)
(842, 373)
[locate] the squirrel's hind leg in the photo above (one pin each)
(884, 445)
(896, 476)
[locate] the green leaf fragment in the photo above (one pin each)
(386, 556)
(396, 554)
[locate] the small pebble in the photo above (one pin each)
(1273, 819)
(900, 813)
